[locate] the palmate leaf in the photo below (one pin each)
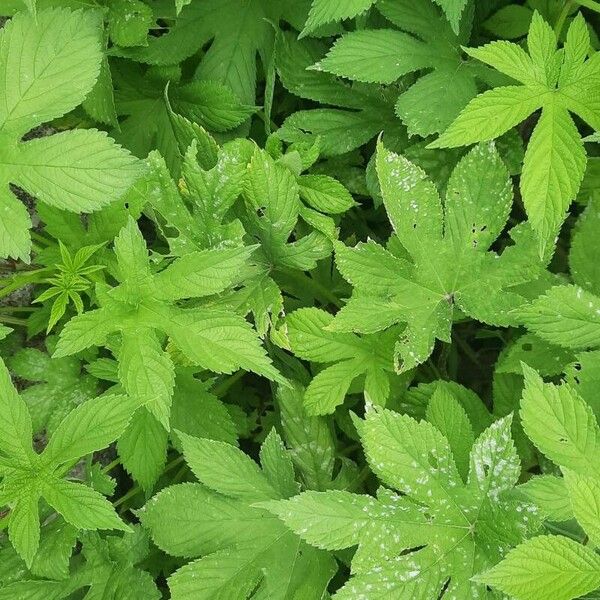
(143, 305)
(356, 114)
(456, 528)
(450, 265)
(143, 310)
(243, 549)
(272, 210)
(558, 82)
(426, 42)
(206, 223)
(28, 476)
(564, 428)
(79, 171)
(146, 104)
(353, 356)
(114, 565)
(105, 566)
(216, 24)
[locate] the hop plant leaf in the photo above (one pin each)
(438, 531)
(28, 476)
(349, 117)
(426, 42)
(564, 428)
(200, 24)
(448, 264)
(242, 547)
(78, 171)
(105, 565)
(369, 356)
(557, 82)
(144, 304)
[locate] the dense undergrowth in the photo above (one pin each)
(299, 299)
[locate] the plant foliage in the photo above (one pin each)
(299, 300)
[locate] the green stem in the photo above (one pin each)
(560, 22)
(221, 389)
(111, 465)
(14, 309)
(467, 350)
(40, 238)
(591, 4)
(136, 489)
(13, 321)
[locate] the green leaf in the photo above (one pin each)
(14, 225)
(212, 105)
(545, 566)
(142, 448)
(560, 424)
(147, 373)
(80, 171)
(53, 77)
(449, 417)
(582, 255)
(202, 273)
(243, 548)
(219, 341)
(24, 526)
(584, 495)
(81, 506)
(89, 427)
(15, 427)
(453, 10)
(59, 385)
(494, 464)
(552, 170)
(566, 315)
(324, 193)
(213, 26)
(199, 413)
(427, 41)
(511, 21)
(461, 272)
(226, 469)
(338, 519)
(411, 544)
(380, 56)
(129, 21)
(490, 115)
(402, 451)
(323, 12)
(555, 159)
(550, 494)
(32, 590)
(307, 333)
(309, 439)
(276, 464)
